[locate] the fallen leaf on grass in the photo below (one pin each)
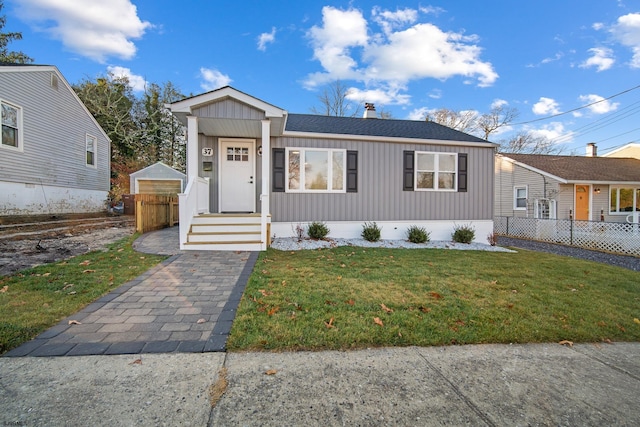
(67, 286)
(385, 308)
(273, 311)
(74, 322)
(87, 262)
(265, 293)
(635, 320)
(4, 289)
(377, 321)
(425, 309)
(566, 342)
(46, 274)
(350, 302)
(271, 372)
(435, 295)
(89, 271)
(330, 324)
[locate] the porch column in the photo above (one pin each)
(192, 147)
(266, 182)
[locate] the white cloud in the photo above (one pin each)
(545, 106)
(600, 105)
(402, 51)
(497, 103)
(597, 26)
(553, 131)
(265, 38)
(380, 96)
(137, 83)
(93, 28)
(419, 113)
(435, 94)
(602, 59)
(627, 32)
(213, 79)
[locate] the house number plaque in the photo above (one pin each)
(207, 152)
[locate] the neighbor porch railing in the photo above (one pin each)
(194, 201)
(620, 238)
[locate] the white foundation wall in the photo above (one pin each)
(439, 230)
(37, 199)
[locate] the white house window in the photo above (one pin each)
(520, 198)
(436, 171)
(91, 142)
(545, 209)
(624, 200)
(11, 126)
(322, 170)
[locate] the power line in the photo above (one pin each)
(576, 109)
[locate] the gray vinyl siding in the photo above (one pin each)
(229, 109)
(380, 196)
(508, 176)
(55, 126)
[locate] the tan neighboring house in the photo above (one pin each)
(586, 188)
(630, 150)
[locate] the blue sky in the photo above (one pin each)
(408, 57)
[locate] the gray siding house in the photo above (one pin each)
(54, 157)
(255, 171)
(587, 188)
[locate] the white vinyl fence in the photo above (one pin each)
(620, 238)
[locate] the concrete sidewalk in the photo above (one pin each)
(494, 385)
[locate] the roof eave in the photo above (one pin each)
(299, 134)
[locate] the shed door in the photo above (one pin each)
(582, 202)
(159, 186)
(237, 176)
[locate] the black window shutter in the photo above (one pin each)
(407, 170)
(279, 170)
(352, 171)
(462, 172)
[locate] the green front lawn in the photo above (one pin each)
(352, 297)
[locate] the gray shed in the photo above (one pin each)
(157, 179)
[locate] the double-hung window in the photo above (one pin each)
(11, 126)
(520, 198)
(91, 143)
(316, 170)
(436, 171)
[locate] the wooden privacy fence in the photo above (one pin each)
(154, 212)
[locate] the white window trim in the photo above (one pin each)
(330, 152)
(618, 187)
(515, 197)
(20, 147)
(435, 172)
(95, 151)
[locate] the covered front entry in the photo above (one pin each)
(582, 202)
(237, 176)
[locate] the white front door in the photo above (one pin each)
(237, 175)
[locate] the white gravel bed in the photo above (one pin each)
(292, 244)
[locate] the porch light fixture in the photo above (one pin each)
(596, 190)
(260, 151)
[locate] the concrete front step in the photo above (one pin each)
(224, 246)
(227, 228)
(210, 219)
(217, 237)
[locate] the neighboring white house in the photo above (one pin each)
(254, 171)
(54, 156)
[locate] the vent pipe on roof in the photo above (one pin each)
(592, 149)
(369, 111)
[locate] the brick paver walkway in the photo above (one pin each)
(185, 304)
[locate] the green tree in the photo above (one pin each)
(12, 57)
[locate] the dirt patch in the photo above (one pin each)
(44, 247)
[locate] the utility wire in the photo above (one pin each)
(576, 109)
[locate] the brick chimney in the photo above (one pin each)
(592, 150)
(369, 111)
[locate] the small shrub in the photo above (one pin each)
(417, 234)
(318, 230)
(299, 230)
(492, 238)
(371, 232)
(463, 234)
